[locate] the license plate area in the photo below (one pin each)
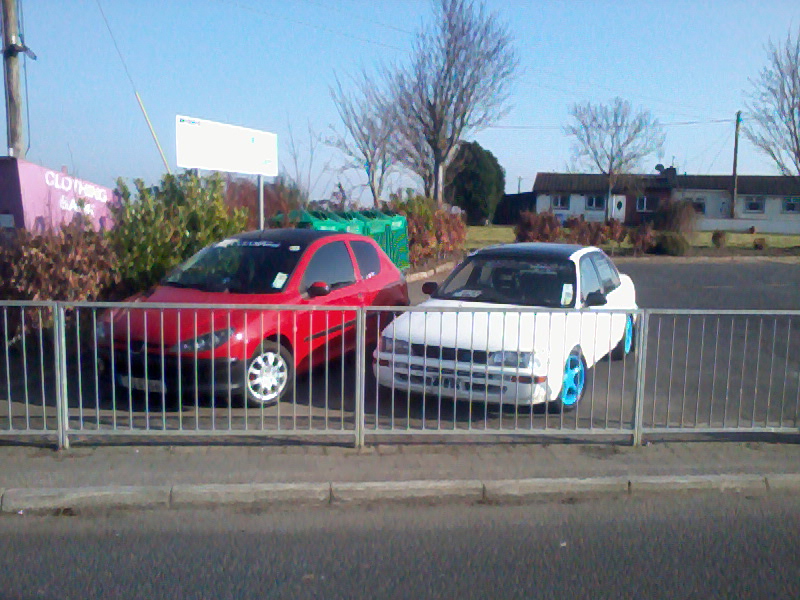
(446, 383)
(141, 384)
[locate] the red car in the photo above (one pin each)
(211, 351)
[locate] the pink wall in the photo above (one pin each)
(42, 198)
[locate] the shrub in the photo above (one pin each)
(719, 239)
(542, 227)
(671, 243)
(642, 238)
(678, 216)
(751, 230)
(433, 232)
(158, 229)
(760, 243)
(280, 196)
(74, 263)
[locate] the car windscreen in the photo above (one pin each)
(512, 280)
(238, 267)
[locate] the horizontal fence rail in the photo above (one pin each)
(189, 371)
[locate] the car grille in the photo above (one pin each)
(477, 357)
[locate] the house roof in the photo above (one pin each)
(588, 183)
(582, 183)
(773, 185)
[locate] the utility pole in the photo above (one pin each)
(519, 184)
(12, 46)
(735, 160)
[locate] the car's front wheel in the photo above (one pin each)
(573, 384)
(270, 374)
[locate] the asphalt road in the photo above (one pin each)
(720, 545)
(701, 371)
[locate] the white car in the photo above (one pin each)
(483, 335)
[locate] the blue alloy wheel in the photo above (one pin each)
(628, 334)
(574, 380)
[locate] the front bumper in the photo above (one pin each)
(173, 375)
(458, 381)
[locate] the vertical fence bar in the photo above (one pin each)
(360, 379)
(62, 405)
(641, 360)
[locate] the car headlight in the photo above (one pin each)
(517, 360)
(204, 342)
(391, 345)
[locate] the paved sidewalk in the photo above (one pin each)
(26, 467)
(256, 476)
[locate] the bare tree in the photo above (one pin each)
(368, 130)
(774, 106)
(613, 139)
(303, 157)
(457, 82)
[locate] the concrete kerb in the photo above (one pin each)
(50, 500)
(90, 499)
(250, 494)
(412, 277)
(405, 491)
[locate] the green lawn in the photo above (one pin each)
(481, 236)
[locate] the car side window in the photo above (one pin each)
(369, 263)
(607, 272)
(331, 263)
(590, 282)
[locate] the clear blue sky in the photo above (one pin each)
(268, 64)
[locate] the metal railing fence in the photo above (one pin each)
(163, 371)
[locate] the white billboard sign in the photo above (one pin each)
(202, 144)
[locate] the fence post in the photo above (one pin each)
(361, 380)
(641, 359)
(62, 405)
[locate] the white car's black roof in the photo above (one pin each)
(538, 250)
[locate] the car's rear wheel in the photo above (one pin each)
(626, 344)
(573, 384)
(270, 375)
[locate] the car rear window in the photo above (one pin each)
(607, 271)
(369, 263)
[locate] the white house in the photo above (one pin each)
(769, 203)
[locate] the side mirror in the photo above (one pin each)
(595, 299)
(429, 287)
(319, 288)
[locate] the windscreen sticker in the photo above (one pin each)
(567, 293)
(279, 280)
(542, 269)
(294, 248)
(260, 244)
(467, 294)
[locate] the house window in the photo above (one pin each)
(560, 202)
(595, 202)
(646, 203)
(699, 206)
(791, 205)
(754, 204)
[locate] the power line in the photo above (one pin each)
(333, 32)
(556, 127)
(582, 87)
(135, 91)
(365, 19)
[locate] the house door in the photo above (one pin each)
(618, 208)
